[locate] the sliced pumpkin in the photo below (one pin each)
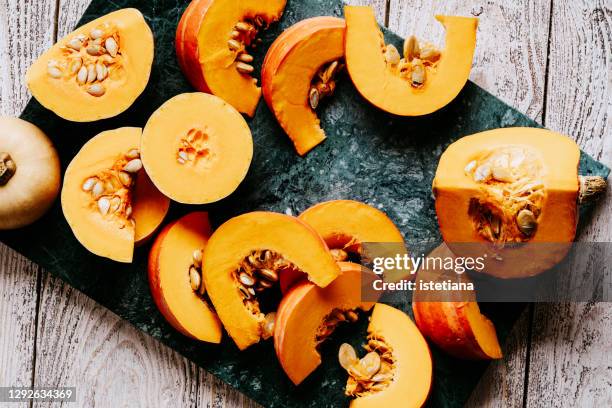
(200, 140)
(453, 320)
(213, 40)
(299, 70)
(175, 263)
(308, 314)
(107, 199)
(513, 194)
(397, 369)
(422, 82)
(97, 71)
(244, 257)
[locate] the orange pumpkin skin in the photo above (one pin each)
(288, 69)
(204, 56)
(169, 262)
(460, 197)
(456, 326)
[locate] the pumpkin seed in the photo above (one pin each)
(128, 211)
(82, 75)
(338, 315)
(96, 90)
(246, 279)
(470, 166)
(314, 97)
(181, 161)
(411, 48)
(371, 363)
(347, 356)
(91, 73)
(133, 154)
(502, 174)
(96, 33)
(194, 279)
(382, 377)
(133, 166)
(89, 183)
(54, 71)
(101, 72)
(235, 34)
(268, 274)
(104, 205)
(242, 26)
(197, 257)
(246, 292)
(97, 190)
(94, 50)
(251, 291)
(111, 46)
(482, 173)
(268, 325)
(125, 178)
(351, 316)
(244, 68)
(265, 284)
(115, 203)
(339, 255)
(418, 73)
(526, 222)
(244, 57)
(234, 45)
(183, 155)
(429, 54)
(75, 65)
(75, 43)
(392, 56)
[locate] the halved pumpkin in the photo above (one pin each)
(107, 199)
(511, 194)
(397, 371)
(422, 82)
(308, 314)
(244, 257)
(175, 263)
(97, 71)
(452, 320)
(212, 44)
(345, 225)
(196, 148)
(298, 71)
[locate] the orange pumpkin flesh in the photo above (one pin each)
(204, 53)
(134, 211)
(485, 180)
(412, 374)
(385, 85)
(120, 69)
(200, 141)
(286, 239)
(346, 224)
(457, 327)
(291, 63)
(305, 311)
(170, 260)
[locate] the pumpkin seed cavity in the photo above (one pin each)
(242, 38)
(323, 84)
(8, 168)
(111, 190)
(419, 60)
(512, 197)
(332, 321)
(193, 147)
(89, 59)
(370, 374)
(258, 272)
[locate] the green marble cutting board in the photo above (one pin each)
(371, 156)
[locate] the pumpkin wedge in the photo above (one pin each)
(512, 194)
(244, 257)
(309, 314)
(397, 369)
(213, 41)
(97, 71)
(107, 198)
(196, 148)
(299, 70)
(175, 263)
(422, 82)
(453, 320)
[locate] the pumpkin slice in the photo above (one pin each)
(308, 314)
(175, 277)
(345, 225)
(299, 70)
(422, 82)
(29, 173)
(201, 141)
(511, 186)
(244, 257)
(396, 371)
(107, 199)
(456, 325)
(213, 40)
(97, 71)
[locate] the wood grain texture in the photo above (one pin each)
(571, 363)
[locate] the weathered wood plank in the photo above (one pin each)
(570, 354)
(26, 28)
(516, 74)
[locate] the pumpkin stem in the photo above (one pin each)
(7, 168)
(591, 188)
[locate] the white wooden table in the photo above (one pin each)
(552, 59)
